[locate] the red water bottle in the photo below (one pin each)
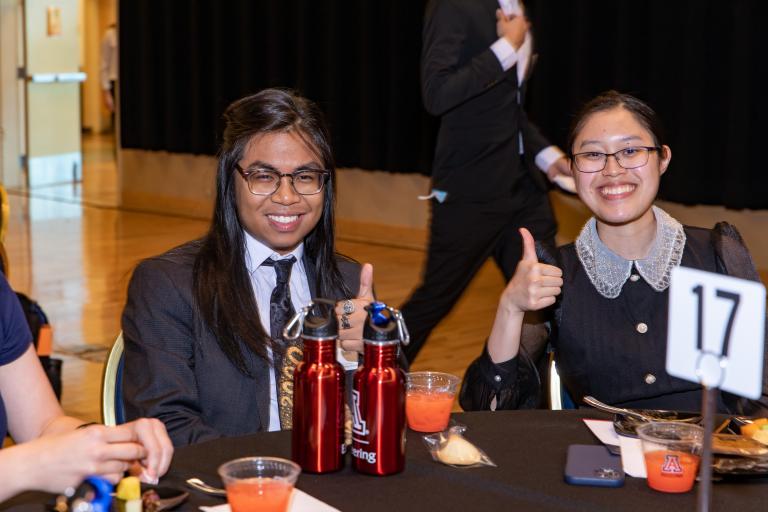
(378, 396)
(317, 438)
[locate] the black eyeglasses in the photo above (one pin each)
(265, 182)
(628, 158)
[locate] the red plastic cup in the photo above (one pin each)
(672, 453)
(429, 399)
(259, 483)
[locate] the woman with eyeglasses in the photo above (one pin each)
(203, 322)
(607, 293)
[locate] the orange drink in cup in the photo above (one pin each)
(428, 400)
(259, 483)
(671, 452)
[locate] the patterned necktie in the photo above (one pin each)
(280, 312)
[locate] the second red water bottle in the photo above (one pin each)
(378, 396)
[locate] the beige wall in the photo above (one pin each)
(53, 115)
(184, 184)
(53, 109)
(52, 54)
(11, 95)
(157, 181)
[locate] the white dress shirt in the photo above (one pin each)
(108, 65)
(508, 57)
(263, 281)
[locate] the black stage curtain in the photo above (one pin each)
(695, 61)
(182, 62)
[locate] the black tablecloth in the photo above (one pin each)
(529, 448)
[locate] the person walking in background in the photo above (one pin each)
(108, 69)
(487, 174)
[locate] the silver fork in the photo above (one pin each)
(597, 404)
(201, 486)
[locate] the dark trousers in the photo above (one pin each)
(463, 236)
(113, 92)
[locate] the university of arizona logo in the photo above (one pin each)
(358, 424)
(671, 465)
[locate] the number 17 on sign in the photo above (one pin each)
(716, 332)
(716, 337)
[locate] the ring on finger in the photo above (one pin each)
(348, 307)
(345, 322)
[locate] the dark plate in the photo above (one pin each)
(626, 425)
(730, 467)
(727, 466)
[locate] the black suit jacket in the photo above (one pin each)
(478, 152)
(174, 368)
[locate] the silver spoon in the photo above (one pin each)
(597, 404)
(201, 486)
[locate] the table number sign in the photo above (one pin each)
(716, 330)
(715, 337)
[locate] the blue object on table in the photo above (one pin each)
(102, 489)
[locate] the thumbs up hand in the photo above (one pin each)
(351, 313)
(535, 285)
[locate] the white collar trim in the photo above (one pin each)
(655, 269)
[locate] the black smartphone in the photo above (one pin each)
(590, 464)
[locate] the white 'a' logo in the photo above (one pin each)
(358, 424)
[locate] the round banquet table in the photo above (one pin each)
(529, 448)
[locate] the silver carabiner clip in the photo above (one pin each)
(295, 325)
(402, 330)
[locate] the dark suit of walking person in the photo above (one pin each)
(473, 69)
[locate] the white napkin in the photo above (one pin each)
(632, 459)
(300, 502)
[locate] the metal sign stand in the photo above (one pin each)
(708, 409)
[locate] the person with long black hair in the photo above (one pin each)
(202, 323)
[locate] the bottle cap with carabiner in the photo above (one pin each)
(317, 436)
(385, 325)
(378, 395)
(315, 320)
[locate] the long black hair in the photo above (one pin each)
(222, 285)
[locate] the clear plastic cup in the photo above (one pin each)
(259, 483)
(672, 452)
(429, 399)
